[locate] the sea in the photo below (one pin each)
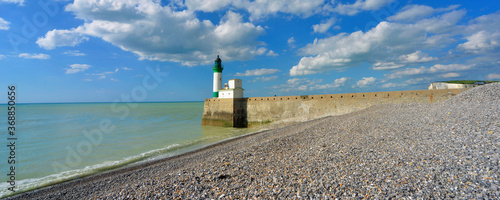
(57, 142)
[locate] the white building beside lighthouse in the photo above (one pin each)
(232, 89)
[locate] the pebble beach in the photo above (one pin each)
(402, 151)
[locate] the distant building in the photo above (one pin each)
(442, 85)
(232, 89)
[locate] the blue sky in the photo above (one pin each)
(150, 50)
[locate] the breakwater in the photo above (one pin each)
(244, 112)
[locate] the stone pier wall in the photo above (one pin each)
(244, 112)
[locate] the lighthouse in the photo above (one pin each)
(217, 76)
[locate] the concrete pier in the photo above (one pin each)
(244, 112)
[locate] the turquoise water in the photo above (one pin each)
(58, 142)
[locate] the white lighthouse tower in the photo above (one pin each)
(217, 76)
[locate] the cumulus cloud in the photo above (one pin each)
(408, 72)
(75, 68)
(34, 56)
(263, 9)
(207, 5)
(258, 72)
(416, 12)
(416, 57)
(4, 25)
(450, 67)
(271, 53)
(407, 82)
(323, 27)
(156, 32)
(366, 81)
(391, 85)
(57, 38)
(337, 83)
(482, 41)
(260, 9)
(387, 40)
(493, 76)
(305, 84)
(387, 65)
(433, 69)
(360, 5)
(297, 84)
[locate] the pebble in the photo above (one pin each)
(403, 151)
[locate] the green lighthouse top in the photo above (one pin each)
(218, 65)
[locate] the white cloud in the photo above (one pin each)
(263, 8)
(450, 67)
(493, 76)
(323, 27)
(34, 56)
(75, 68)
(387, 65)
(264, 79)
(337, 83)
(157, 32)
(260, 9)
(259, 51)
(207, 5)
(416, 12)
(391, 85)
(360, 5)
(413, 12)
(19, 2)
(57, 38)
(271, 53)
(126, 68)
(297, 84)
(408, 72)
(418, 80)
(313, 65)
(291, 42)
(482, 41)
(386, 41)
(366, 81)
(434, 69)
(258, 72)
(450, 75)
(4, 25)
(104, 75)
(416, 57)
(74, 53)
(413, 81)
(2, 56)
